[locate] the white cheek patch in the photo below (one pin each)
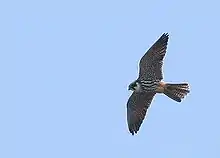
(138, 88)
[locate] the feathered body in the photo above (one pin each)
(149, 83)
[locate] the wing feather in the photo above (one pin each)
(137, 106)
(150, 66)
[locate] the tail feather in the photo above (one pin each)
(176, 91)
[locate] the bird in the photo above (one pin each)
(149, 83)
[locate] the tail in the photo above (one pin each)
(176, 91)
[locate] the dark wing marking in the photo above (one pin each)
(150, 66)
(137, 106)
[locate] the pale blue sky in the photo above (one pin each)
(66, 66)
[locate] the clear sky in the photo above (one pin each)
(66, 66)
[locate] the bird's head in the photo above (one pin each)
(134, 86)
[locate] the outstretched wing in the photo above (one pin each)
(137, 106)
(150, 66)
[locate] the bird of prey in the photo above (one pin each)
(149, 83)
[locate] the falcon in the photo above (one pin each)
(149, 83)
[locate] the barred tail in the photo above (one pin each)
(176, 91)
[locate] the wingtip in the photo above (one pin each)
(166, 34)
(133, 132)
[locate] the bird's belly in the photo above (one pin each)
(149, 86)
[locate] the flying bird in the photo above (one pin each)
(149, 83)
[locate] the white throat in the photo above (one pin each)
(138, 87)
